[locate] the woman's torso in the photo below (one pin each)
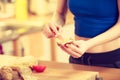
(105, 47)
(93, 18)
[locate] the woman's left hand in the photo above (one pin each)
(74, 48)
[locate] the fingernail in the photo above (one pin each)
(58, 44)
(67, 45)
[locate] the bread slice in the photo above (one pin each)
(6, 60)
(17, 68)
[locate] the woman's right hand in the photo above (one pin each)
(54, 27)
(52, 30)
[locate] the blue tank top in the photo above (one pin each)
(93, 17)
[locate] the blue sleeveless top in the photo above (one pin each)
(93, 17)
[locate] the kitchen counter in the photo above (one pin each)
(14, 32)
(105, 73)
(12, 28)
(62, 71)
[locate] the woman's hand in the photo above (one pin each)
(54, 27)
(74, 48)
(51, 30)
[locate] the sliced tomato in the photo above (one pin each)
(39, 68)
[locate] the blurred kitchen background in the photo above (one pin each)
(21, 22)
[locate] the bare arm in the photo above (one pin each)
(53, 28)
(60, 12)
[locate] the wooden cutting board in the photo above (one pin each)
(62, 74)
(49, 73)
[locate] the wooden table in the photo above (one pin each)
(105, 73)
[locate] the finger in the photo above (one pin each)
(55, 29)
(75, 43)
(58, 27)
(73, 53)
(70, 52)
(74, 48)
(47, 32)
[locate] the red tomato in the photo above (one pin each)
(39, 68)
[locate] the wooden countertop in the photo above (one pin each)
(105, 73)
(63, 71)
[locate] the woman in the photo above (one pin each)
(97, 31)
